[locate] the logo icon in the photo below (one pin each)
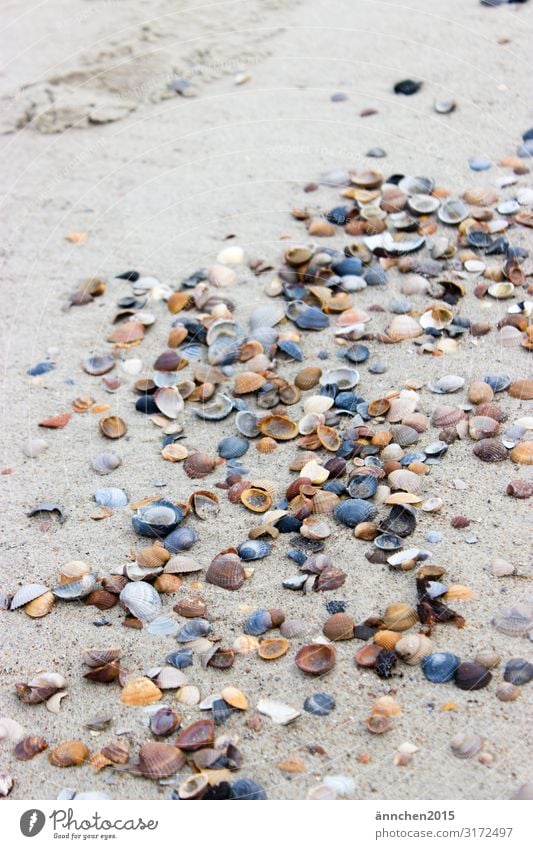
(32, 822)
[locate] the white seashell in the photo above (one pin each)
(169, 401)
(10, 729)
(164, 626)
(34, 447)
(188, 695)
(221, 276)
(53, 704)
(316, 473)
(402, 556)
(466, 744)
(111, 496)
(345, 377)
(525, 197)
(132, 366)
(27, 593)
(279, 713)
(432, 504)
(169, 678)
(343, 785)
(526, 422)
(48, 679)
(233, 255)
(142, 600)
(448, 383)
(317, 404)
(105, 462)
(405, 480)
(267, 315)
(309, 423)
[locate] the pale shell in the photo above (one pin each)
(142, 600)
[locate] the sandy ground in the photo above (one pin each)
(158, 189)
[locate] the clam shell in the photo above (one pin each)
(278, 427)
(27, 748)
(218, 408)
(164, 721)
(226, 571)
(353, 511)
(26, 594)
(507, 692)
(98, 365)
(140, 691)
(77, 589)
(255, 499)
(111, 496)
(142, 600)
(339, 626)
(105, 462)
(405, 480)
(316, 658)
(490, 451)
(471, 676)
(466, 744)
(196, 736)
(482, 427)
(439, 667)
(159, 760)
(198, 464)
(403, 327)
(399, 616)
(246, 423)
(273, 648)
(70, 753)
(97, 657)
(295, 628)
(113, 427)
(193, 629)
(308, 377)
(518, 671)
(523, 453)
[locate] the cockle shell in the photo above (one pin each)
(226, 571)
(142, 600)
(413, 647)
(399, 616)
(403, 327)
(140, 691)
(159, 760)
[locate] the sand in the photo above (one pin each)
(158, 188)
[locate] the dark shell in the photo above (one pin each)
(497, 382)
(362, 486)
(490, 451)
(259, 622)
(159, 760)
(232, 446)
(27, 748)
(440, 667)
(219, 658)
(180, 659)
(471, 676)
(319, 704)
(353, 511)
(244, 788)
(180, 539)
(400, 521)
(254, 549)
(193, 630)
(518, 671)
(157, 519)
(164, 722)
(196, 736)
(226, 571)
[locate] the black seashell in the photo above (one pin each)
(221, 711)
(400, 521)
(407, 87)
(132, 276)
(471, 676)
(319, 704)
(146, 404)
(518, 671)
(288, 524)
(157, 519)
(244, 788)
(298, 556)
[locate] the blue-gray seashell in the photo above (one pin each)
(440, 667)
(353, 511)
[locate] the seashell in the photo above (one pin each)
(259, 622)
(198, 465)
(405, 480)
(77, 589)
(140, 691)
(27, 594)
(488, 658)
(182, 564)
(27, 748)
(317, 404)
(98, 365)
(232, 447)
(482, 427)
(458, 592)
(308, 377)
(471, 676)
(246, 423)
(6, 784)
(328, 437)
(105, 462)
(159, 760)
(295, 628)
(247, 382)
(111, 496)
(169, 401)
(466, 744)
(403, 436)
(218, 408)
(34, 447)
(316, 473)
(278, 427)
(315, 528)
(325, 502)
(492, 411)
(522, 389)
(10, 729)
(387, 639)
(480, 392)
(523, 454)
(447, 384)
(116, 753)
(127, 333)
(180, 539)
(191, 608)
(196, 736)
(97, 657)
(254, 549)
(244, 788)
(520, 489)
(490, 451)
(113, 427)
(255, 499)
(279, 713)
(452, 211)
(70, 753)
(164, 721)
(367, 655)
(399, 616)
(226, 571)
(273, 648)
(193, 629)
(401, 407)
(104, 674)
(153, 557)
(352, 511)
(339, 626)
(157, 519)
(386, 706)
(507, 692)
(169, 678)
(319, 704)
(439, 667)
(180, 659)
(403, 327)
(316, 658)
(142, 600)
(344, 378)
(170, 360)
(518, 671)
(377, 723)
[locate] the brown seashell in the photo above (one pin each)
(522, 389)
(226, 571)
(191, 608)
(366, 530)
(482, 427)
(523, 453)
(140, 691)
(159, 760)
(490, 451)
(316, 658)
(320, 228)
(325, 502)
(367, 655)
(102, 599)
(328, 437)
(257, 500)
(339, 626)
(378, 723)
(40, 606)
(164, 721)
(127, 333)
(170, 360)
(219, 658)
(176, 336)
(198, 465)
(446, 416)
(113, 427)
(278, 427)
(488, 658)
(197, 736)
(166, 583)
(387, 639)
(308, 377)
(379, 407)
(399, 616)
(104, 674)
(480, 196)
(235, 491)
(507, 692)
(204, 504)
(480, 392)
(493, 411)
(330, 578)
(117, 752)
(178, 301)
(70, 753)
(153, 557)
(248, 381)
(519, 489)
(266, 445)
(174, 452)
(272, 648)
(97, 657)
(27, 748)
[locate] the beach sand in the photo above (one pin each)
(159, 188)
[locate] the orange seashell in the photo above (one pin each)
(386, 706)
(399, 616)
(82, 403)
(40, 606)
(176, 336)
(257, 500)
(367, 655)
(191, 608)
(56, 422)
(178, 301)
(248, 381)
(174, 452)
(70, 753)
(379, 407)
(272, 648)
(127, 333)
(378, 724)
(102, 599)
(235, 698)
(113, 427)
(386, 639)
(153, 557)
(168, 583)
(366, 530)
(523, 453)
(140, 691)
(316, 658)
(522, 389)
(104, 674)
(226, 571)
(328, 437)
(266, 445)
(278, 427)
(339, 626)
(308, 377)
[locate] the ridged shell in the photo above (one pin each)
(159, 760)
(490, 451)
(191, 608)
(403, 327)
(399, 616)
(196, 736)
(439, 667)
(353, 511)
(247, 382)
(153, 557)
(405, 480)
(77, 589)
(446, 416)
(339, 626)
(142, 600)
(26, 594)
(387, 639)
(278, 427)
(226, 571)
(140, 691)
(27, 748)
(198, 465)
(515, 621)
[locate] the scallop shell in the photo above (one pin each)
(226, 571)
(515, 621)
(482, 427)
(70, 753)
(140, 691)
(142, 600)
(159, 760)
(181, 564)
(447, 416)
(490, 451)
(27, 594)
(339, 626)
(399, 616)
